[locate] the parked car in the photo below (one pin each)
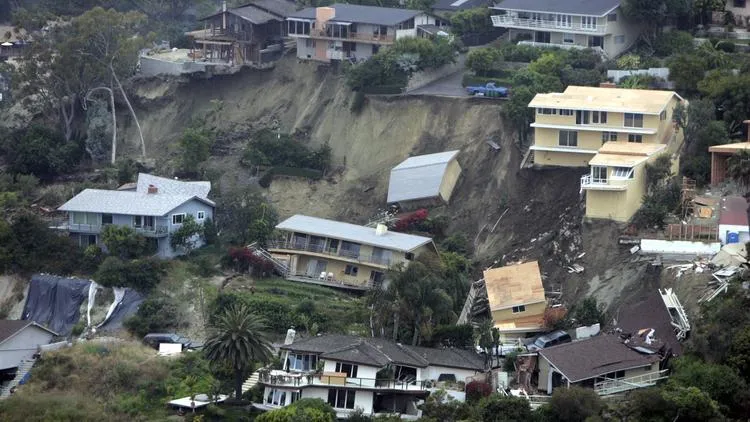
(488, 90)
(548, 340)
(154, 339)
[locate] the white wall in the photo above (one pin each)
(363, 398)
(22, 346)
(365, 374)
(433, 372)
(724, 229)
(302, 50)
(679, 247)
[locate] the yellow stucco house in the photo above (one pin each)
(516, 298)
(617, 181)
(327, 252)
(571, 126)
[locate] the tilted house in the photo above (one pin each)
(595, 24)
(424, 180)
(720, 155)
(20, 340)
(372, 374)
(342, 254)
(354, 32)
(571, 126)
(156, 208)
(516, 299)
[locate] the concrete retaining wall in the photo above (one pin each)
(420, 79)
(679, 247)
(151, 66)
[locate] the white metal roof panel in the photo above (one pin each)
(419, 177)
(172, 186)
(352, 232)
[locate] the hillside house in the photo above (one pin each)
(733, 220)
(516, 299)
(424, 180)
(595, 24)
(20, 340)
(372, 374)
(740, 10)
(617, 181)
(354, 32)
(445, 8)
(155, 209)
(340, 254)
(244, 35)
(719, 156)
(606, 363)
(571, 126)
(13, 42)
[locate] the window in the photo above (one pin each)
(568, 138)
(568, 38)
(546, 111)
(633, 120)
(564, 112)
(582, 117)
(276, 397)
(349, 369)
(86, 240)
(299, 362)
(407, 24)
(635, 138)
(663, 115)
(178, 218)
(87, 218)
(588, 22)
(309, 43)
(598, 174)
(201, 215)
(340, 398)
(622, 172)
(519, 308)
(612, 17)
(351, 270)
(349, 249)
(609, 136)
(739, 3)
(599, 117)
(106, 219)
(409, 256)
(137, 221)
(619, 39)
(615, 375)
(564, 21)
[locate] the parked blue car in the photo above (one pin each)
(489, 90)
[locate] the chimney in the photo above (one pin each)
(381, 229)
(152, 189)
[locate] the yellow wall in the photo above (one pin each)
(338, 270)
(563, 159)
(452, 172)
(507, 315)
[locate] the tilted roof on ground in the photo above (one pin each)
(573, 7)
(514, 285)
(254, 15)
(10, 327)
(379, 352)
(459, 4)
(419, 177)
(733, 211)
(260, 11)
(730, 148)
(127, 202)
(353, 233)
(346, 13)
(624, 154)
(648, 311)
(617, 100)
(600, 355)
(172, 186)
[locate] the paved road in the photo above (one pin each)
(449, 86)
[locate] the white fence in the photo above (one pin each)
(657, 72)
(679, 247)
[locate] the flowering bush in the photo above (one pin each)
(244, 260)
(411, 221)
(477, 390)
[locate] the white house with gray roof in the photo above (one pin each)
(320, 251)
(375, 375)
(155, 208)
(596, 24)
(354, 32)
(424, 180)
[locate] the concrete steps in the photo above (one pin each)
(23, 369)
(251, 382)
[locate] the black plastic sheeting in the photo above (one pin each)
(55, 302)
(131, 300)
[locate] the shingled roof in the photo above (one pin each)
(9, 328)
(379, 352)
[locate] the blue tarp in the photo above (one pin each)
(55, 302)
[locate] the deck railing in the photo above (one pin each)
(562, 25)
(614, 386)
(341, 380)
(154, 231)
(325, 250)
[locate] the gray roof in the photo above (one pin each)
(260, 11)
(10, 327)
(419, 177)
(353, 233)
(585, 359)
(277, 7)
(127, 202)
(379, 352)
(387, 16)
(253, 14)
(455, 5)
(173, 186)
(574, 7)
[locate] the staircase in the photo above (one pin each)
(281, 267)
(528, 159)
(23, 369)
(615, 386)
(250, 382)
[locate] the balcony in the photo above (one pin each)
(509, 21)
(339, 380)
(156, 231)
(322, 249)
(594, 183)
(560, 46)
(369, 38)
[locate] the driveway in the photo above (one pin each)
(449, 86)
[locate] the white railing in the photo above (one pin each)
(562, 46)
(589, 182)
(562, 25)
(334, 54)
(614, 386)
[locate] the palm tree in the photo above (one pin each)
(237, 338)
(738, 167)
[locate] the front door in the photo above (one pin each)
(596, 41)
(542, 37)
(315, 267)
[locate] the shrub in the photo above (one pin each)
(497, 408)
(672, 42)
(41, 151)
(471, 21)
(575, 404)
(140, 274)
(156, 314)
(520, 53)
(482, 60)
(243, 260)
(210, 233)
(476, 390)
(195, 146)
(657, 204)
(124, 242)
(268, 148)
(658, 171)
(187, 237)
(461, 336)
(310, 410)
(588, 312)
(411, 221)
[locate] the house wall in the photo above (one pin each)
(363, 371)
(22, 346)
(337, 268)
(450, 178)
(363, 399)
(622, 26)
(543, 374)
(507, 315)
(418, 20)
(434, 372)
(562, 159)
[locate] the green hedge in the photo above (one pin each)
(384, 89)
(470, 79)
(313, 174)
